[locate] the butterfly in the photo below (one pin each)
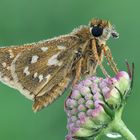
(42, 71)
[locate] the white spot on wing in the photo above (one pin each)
(35, 75)
(44, 49)
(16, 84)
(11, 53)
(61, 47)
(26, 71)
(4, 64)
(8, 68)
(54, 61)
(48, 78)
(40, 77)
(34, 59)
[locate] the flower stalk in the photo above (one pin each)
(117, 125)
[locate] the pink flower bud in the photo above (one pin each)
(92, 102)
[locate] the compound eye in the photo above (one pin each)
(96, 31)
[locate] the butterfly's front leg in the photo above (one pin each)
(98, 58)
(109, 58)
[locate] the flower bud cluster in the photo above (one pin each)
(85, 107)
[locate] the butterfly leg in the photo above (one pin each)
(97, 58)
(109, 58)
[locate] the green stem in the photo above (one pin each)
(121, 128)
(117, 125)
(97, 137)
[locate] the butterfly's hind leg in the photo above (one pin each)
(51, 96)
(109, 58)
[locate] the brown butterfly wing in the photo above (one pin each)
(38, 69)
(7, 55)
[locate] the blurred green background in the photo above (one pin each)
(25, 21)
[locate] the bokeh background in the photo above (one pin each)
(25, 21)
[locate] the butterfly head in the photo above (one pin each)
(102, 30)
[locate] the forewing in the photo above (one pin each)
(35, 69)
